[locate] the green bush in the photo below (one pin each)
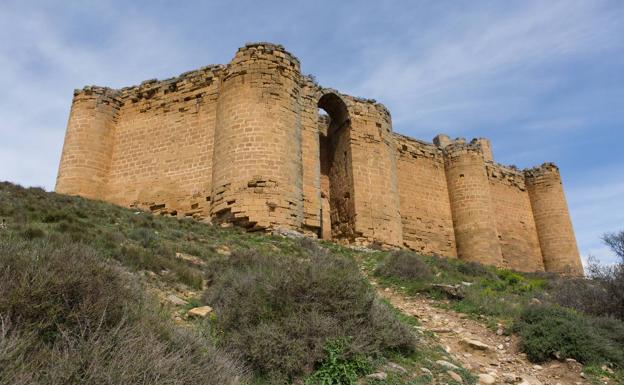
(610, 328)
(338, 368)
(404, 265)
(67, 317)
(551, 331)
(279, 312)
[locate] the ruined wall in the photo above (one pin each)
(514, 219)
(423, 192)
(552, 220)
(163, 144)
(244, 143)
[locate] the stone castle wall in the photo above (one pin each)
(257, 144)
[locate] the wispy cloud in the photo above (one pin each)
(492, 65)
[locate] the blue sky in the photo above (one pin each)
(544, 80)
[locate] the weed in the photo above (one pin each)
(338, 367)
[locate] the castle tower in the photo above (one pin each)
(471, 205)
(257, 174)
(552, 220)
(88, 143)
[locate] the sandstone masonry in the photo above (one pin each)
(257, 144)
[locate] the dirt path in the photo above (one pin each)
(499, 357)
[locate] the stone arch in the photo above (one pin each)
(336, 166)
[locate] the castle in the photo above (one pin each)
(247, 143)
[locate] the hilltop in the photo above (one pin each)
(95, 293)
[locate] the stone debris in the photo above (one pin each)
(201, 312)
(190, 258)
(455, 376)
(486, 379)
(395, 367)
(447, 365)
(452, 291)
(530, 380)
(223, 250)
(475, 344)
(174, 299)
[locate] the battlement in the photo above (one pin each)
(542, 170)
(244, 144)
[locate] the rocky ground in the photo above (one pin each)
(490, 355)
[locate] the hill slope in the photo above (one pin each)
(85, 285)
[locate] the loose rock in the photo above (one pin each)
(201, 311)
(486, 379)
(446, 364)
(396, 367)
(455, 376)
(174, 299)
(475, 344)
(426, 371)
(378, 376)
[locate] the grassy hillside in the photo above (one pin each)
(94, 293)
(86, 291)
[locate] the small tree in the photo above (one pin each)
(616, 242)
(611, 277)
(603, 293)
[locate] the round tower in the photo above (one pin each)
(552, 220)
(88, 146)
(471, 205)
(257, 167)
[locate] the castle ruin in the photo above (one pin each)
(257, 144)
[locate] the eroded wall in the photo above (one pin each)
(162, 157)
(423, 192)
(514, 219)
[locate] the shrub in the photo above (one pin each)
(53, 289)
(404, 265)
(552, 331)
(610, 328)
(159, 260)
(602, 294)
(69, 318)
(279, 312)
(32, 232)
(473, 269)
